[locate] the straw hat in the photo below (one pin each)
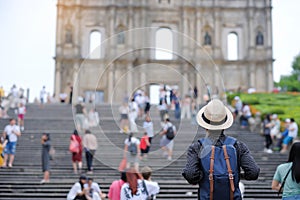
(215, 116)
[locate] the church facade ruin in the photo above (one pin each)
(113, 47)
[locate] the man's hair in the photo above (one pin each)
(146, 172)
(292, 120)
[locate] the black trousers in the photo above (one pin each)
(268, 141)
(89, 155)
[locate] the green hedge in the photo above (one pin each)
(285, 105)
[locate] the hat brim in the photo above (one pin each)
(205, 125)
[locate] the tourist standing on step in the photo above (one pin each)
(147, 104)
(148, 126)
(267, 124)
(77, 191)
(43, 94)
(124, 111)
(46, 145)
(21, 114)
(77, 155)
(201, 162)
(287, 175)
(186, 107)
(133, 114)
(11, 133)
(80, 115)
(90, 146)
(132, 151)
(163, 109)
(136, 188)
(246, 114)
(167, 141)
(145, 146)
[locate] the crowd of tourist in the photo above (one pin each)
(136, 183)
(278, 135)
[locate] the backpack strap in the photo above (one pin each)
(211, 173)
(230, 175)
(283, 182)
(229, 141)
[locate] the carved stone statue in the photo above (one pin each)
(68, 36)
(259, 38)
(207, 39)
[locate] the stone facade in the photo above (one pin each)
(126, 57)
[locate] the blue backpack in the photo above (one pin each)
(220, 171)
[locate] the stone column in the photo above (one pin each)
(199, 85)
(57, 79)
(110, 85)
(216, 41)
(129, 79)
(75, 81)
(252, 82)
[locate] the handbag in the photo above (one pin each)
(74, 145)
(51, 153)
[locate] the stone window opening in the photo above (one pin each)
(95, 44)
(232, 46)
(164, 44)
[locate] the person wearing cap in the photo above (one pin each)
(77, 192)
(215, 118)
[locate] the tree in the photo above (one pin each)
(292, 82)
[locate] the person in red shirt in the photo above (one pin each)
(145, 146)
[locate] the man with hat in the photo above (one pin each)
(215, 118)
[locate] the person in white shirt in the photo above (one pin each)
(133, 114)
(11, 132)
(136, 188)
(43, 95)
(132, 154)
(148, 126)
(292, 134)
(93, 190)
(21, 113)
(246, 114)
(77, 191)
(147, 173)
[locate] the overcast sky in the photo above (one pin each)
(27, 41)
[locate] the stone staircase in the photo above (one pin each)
(23, 180)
